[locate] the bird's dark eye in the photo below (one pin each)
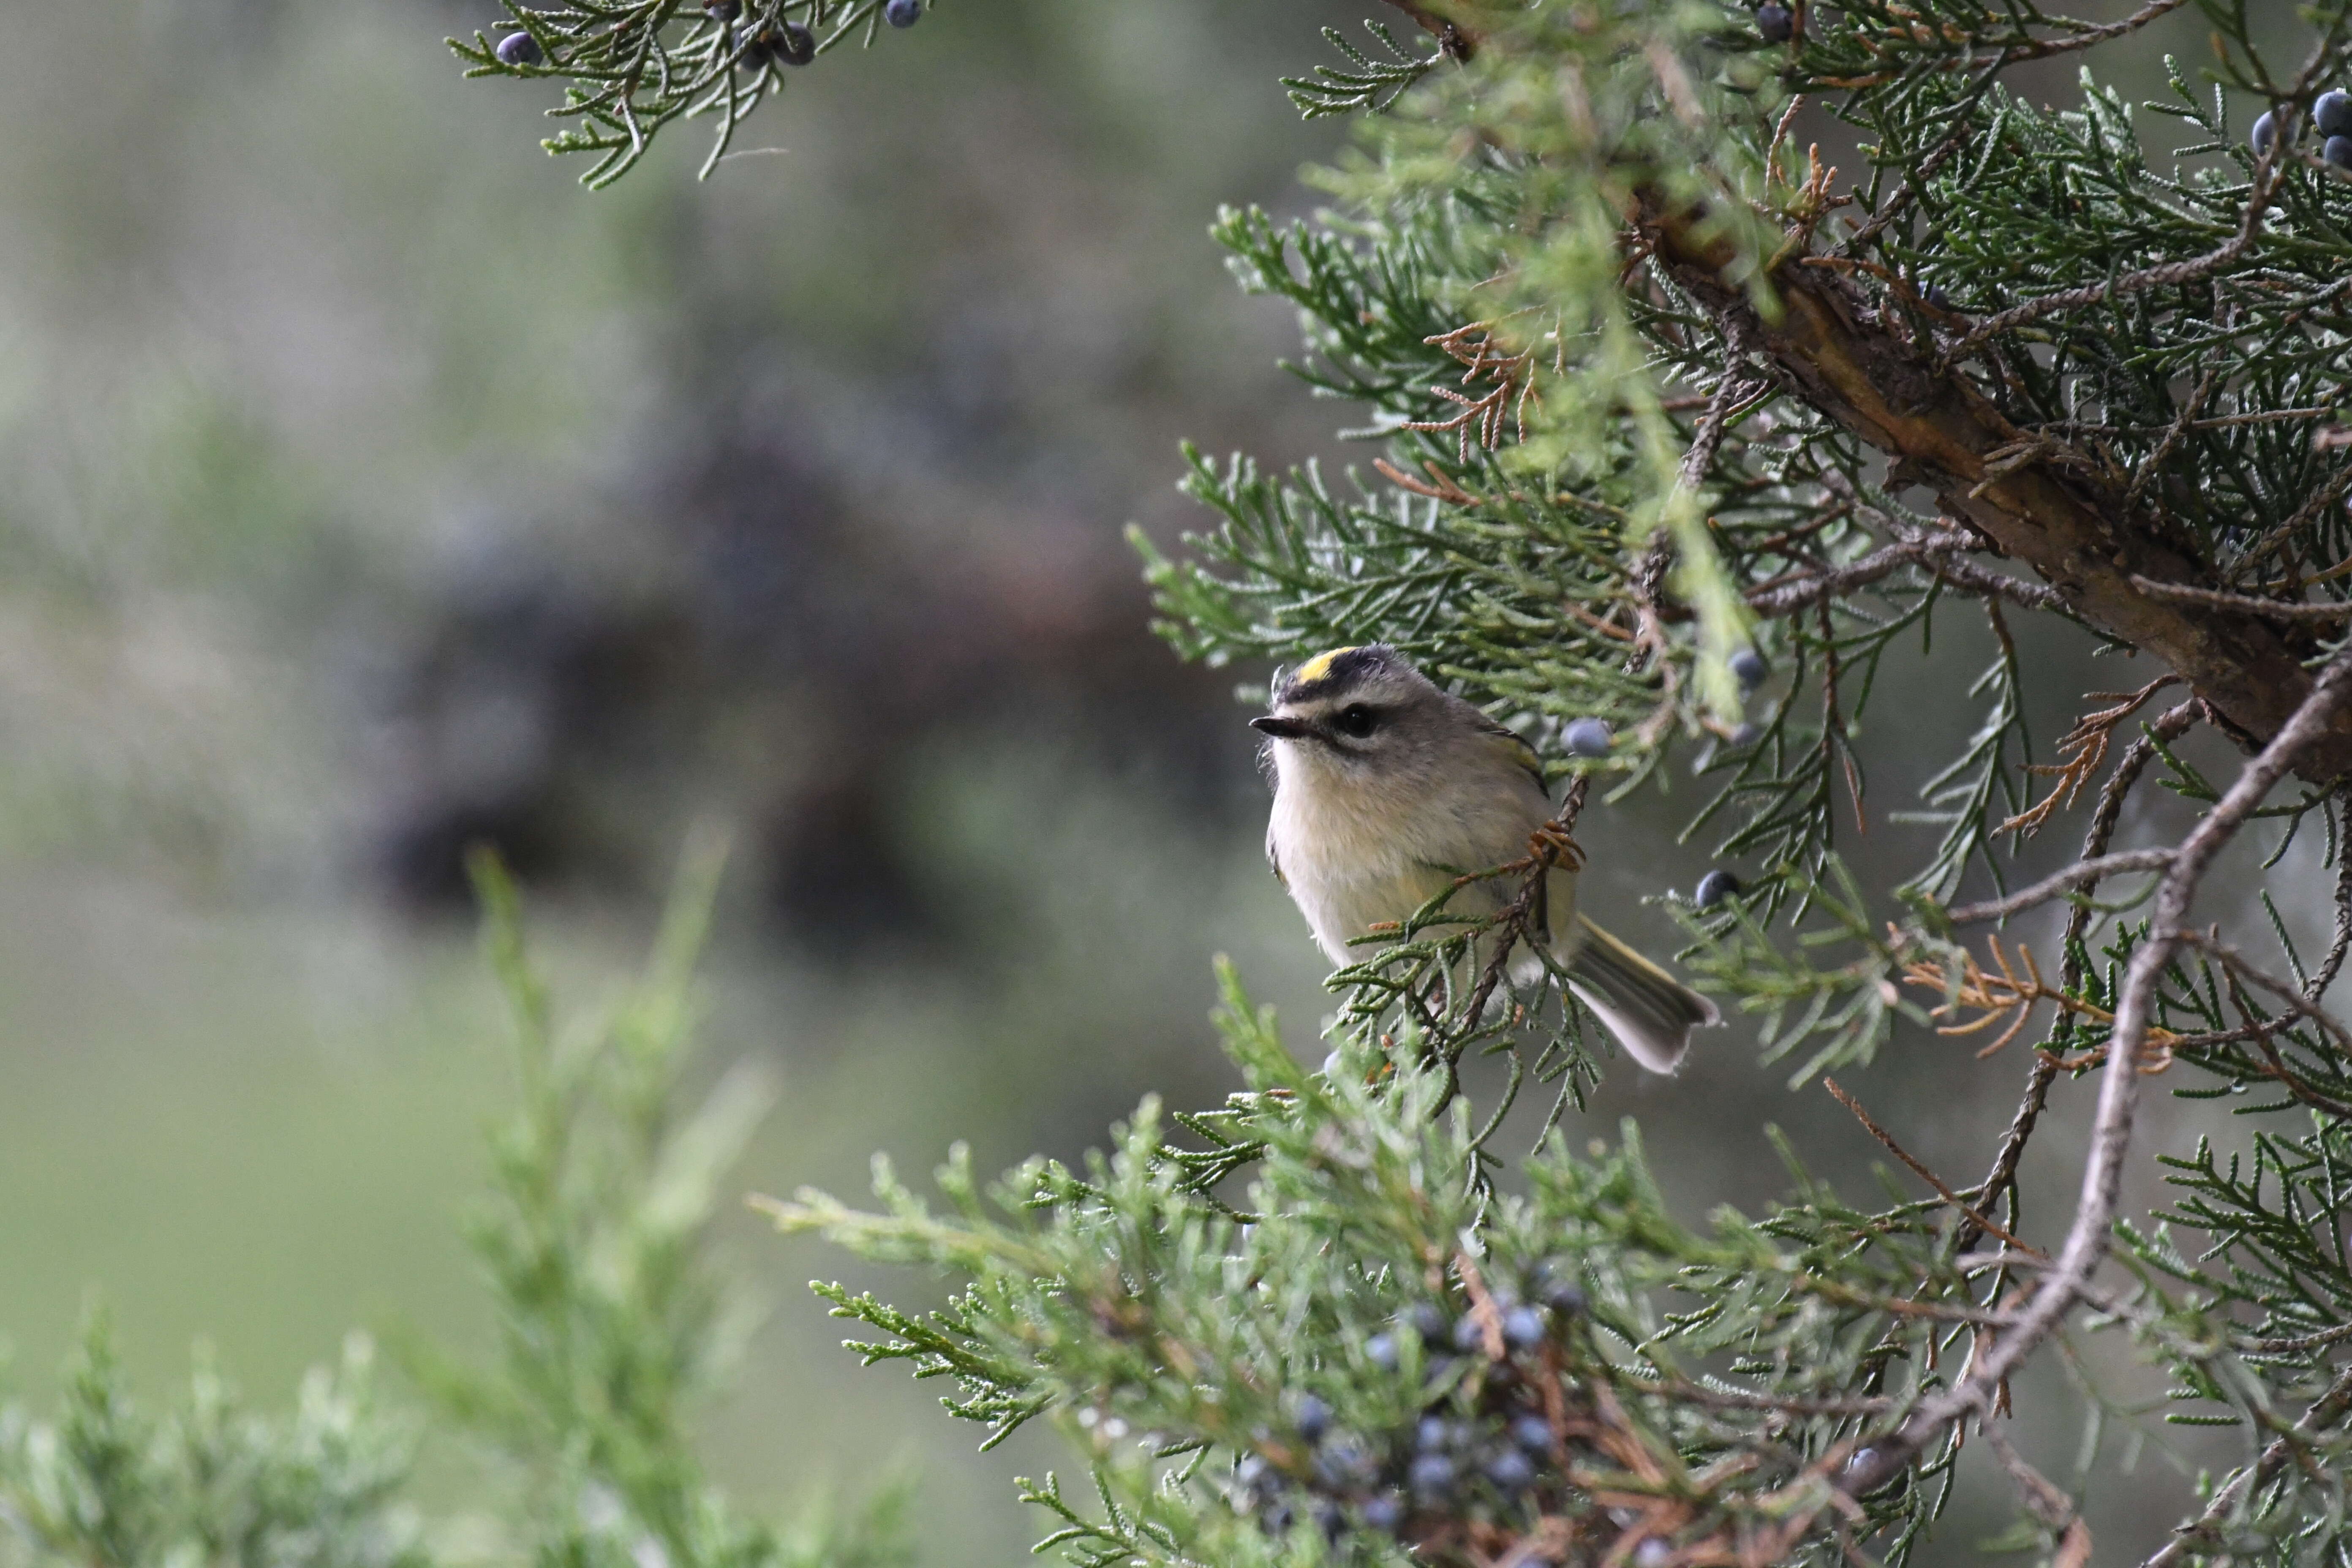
(1356, 719)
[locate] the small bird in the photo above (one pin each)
(1387, 789)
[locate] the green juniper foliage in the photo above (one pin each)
(1682, 432)
(1410, 1351)
(212, 1481)
(611, 1321)
(629, 69)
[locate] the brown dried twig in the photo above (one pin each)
(2083, 749)
(1512, 385)
(2011, 991)
(1440, 486)
(2084, 872)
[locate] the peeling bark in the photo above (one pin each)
(2057, 513)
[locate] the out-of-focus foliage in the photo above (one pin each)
(106, 1481)
(611, 1319)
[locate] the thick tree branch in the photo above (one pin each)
(2039, 500)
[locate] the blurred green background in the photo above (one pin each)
(367, 489)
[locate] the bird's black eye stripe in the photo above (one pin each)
(1356, 719)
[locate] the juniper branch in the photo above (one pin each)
(2088, 1238)
(2324, 1413)
(1830, 348)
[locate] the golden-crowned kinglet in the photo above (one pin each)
(1386, 790)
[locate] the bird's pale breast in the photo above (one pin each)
(1358, 851)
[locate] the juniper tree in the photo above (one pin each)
(1679, 437)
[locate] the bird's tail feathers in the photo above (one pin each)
(1651, 1013)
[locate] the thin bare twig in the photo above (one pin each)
(2003, 1177)
(2091, 36)
(2087, 1240)
(2174, 434)
(1836, 582)
(2320, 1341)
(1950, 566)
(2262, 1032)
(2340, 940)
(2046, 1502)
(2049, 888)
(1922, 1172)
(2231, 959)
(2270, 171)
(1552, 843)
(2181, 593)
(1706, 439)
(1745, 1399)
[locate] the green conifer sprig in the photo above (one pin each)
(1365, 83)
(631, 70)
(1709, 1381)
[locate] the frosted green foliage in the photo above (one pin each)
(630, 69)
(106, 1481)
(1368, 81)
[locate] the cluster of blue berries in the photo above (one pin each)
(1481, 1443)
(787, 44)
(2331, 117)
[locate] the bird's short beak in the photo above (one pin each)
(1280, 729)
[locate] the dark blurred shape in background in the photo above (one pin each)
(796, 651)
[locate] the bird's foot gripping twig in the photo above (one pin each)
(1553, 845)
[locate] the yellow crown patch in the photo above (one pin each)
(1315, 669)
